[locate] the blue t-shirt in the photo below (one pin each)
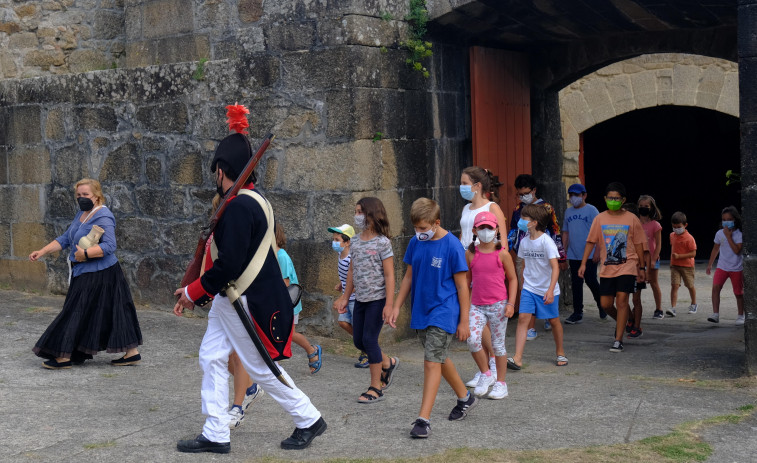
(577, 223)
(287, 271)
(433, 294)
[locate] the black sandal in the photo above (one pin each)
(388, 373)
(369, 398)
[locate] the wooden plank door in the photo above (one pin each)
(501, 116)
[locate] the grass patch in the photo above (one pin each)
(38, 309)
(100, 445)
(154, 408)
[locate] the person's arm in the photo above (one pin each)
(463, 297)
(497, 211)
(658, 245)
(587, 252)
(549, 296)
(341, 303)
(512, 281)
(713, 255)
(52, 246)
(565, 238)
(388, 265)
(687, 255)
(735, 247)
(642, 271)
(404, 291)
(469, 259)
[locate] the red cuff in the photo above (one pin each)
(197, 292)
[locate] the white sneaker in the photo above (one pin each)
(257, 392)
(484, 382)
(474, 381)
(693, 308)
(493, 366)
(499, 391)
(531, 334)
(714, 318)
(236, 416)
(740, 320)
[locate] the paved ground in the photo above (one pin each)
(136, 414)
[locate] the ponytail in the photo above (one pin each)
(489, 182)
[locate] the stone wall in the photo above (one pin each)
(60, 36)
(148, 134)
(643, 82)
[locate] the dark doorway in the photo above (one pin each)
(677, 154)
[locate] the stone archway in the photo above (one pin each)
(643, 82)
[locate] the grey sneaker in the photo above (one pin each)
(463, 407)
(740, 320)
(693, 308)
(421, 429)
(617, 346)
(714, 318)
(671, 312)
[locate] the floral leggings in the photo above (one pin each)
(495, 315)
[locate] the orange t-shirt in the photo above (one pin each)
(620, 234)
(682, 244)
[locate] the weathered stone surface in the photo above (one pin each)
(23, 275)
(314, 168)
(289, 209)
(29, 164)
(291, 36)
(23, 40)
(8, 68)
(644, 85)
(619, 89)
(122, 164)
(55, 124)
(137, 234)
(98, 118)
(61, 205)
(577, 111)
(685, 82)
(154, 170)
(168, 117)
(45, 58)
(120, 198)
(28, 237)
(69, 165)
(167, 17)
(5, 239)
(729, 97)
(167, 50)
(108, 25)
(3, 165)
(185, 165)
(24, 126)
(87, 60)
(23, 203)
(250, 10)
(160, 203)
(371, 31)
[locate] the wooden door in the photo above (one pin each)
(501, 117)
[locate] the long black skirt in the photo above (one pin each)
(98, 314)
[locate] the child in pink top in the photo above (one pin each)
(489, 264)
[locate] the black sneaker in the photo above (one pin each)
(635, 333)
(574, 319)
(629, 326)
(617, 346)
(659, 314)
(421, 429)
(462, 408)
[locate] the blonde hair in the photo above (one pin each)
(424, 210)
(94, 185)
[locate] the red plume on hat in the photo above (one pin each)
(236, 115)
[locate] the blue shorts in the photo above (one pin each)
(347, 316)
(534, 304)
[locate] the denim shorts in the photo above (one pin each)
(347, 316)
(435, 342)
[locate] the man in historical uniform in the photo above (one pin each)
(238, 234)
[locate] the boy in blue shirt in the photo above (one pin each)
(440, 299)
(575, 229)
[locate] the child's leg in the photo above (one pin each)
(498, 323)
(449, 372)
(302, 341)
(739, 306)
(693, 294)
(346, 327)
(608, 305)
(372, 325)
(557, 334)
(432, 377)
(532, 323)
(637, 309)
(737, 281)
(621, 302)
(654, 282)
(242, 380)
(673, 295)
(477, 321)
(486, 341)
(716, 298)
(524, 319)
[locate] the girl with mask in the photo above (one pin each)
(490, 265)
(98, 313)
(478, 186)
(728, 243)
(371, 277)
(649, 215)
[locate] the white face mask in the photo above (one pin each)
(360, 221)
(679, 231)
(527, 198)
(425, 235)
(486, 235)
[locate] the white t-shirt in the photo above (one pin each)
(466, 222)
(729, 260)
(537, 273)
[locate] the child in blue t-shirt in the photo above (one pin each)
(315, 352)
(436, 281)
(575, 229)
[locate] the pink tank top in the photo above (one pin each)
(487, 279)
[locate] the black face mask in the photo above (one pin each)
(645, 211)
(85, 204)
(219, 188)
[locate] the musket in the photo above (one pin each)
(193, 270)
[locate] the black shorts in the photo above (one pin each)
(639, 286)
(619, 284)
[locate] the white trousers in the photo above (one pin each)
(226, 333)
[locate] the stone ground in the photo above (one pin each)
(97, 413)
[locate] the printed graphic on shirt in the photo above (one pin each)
(535, 253)
(436, 262)
(616, 240)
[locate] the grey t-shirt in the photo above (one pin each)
(367, 267)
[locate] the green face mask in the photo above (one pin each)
(613, 205)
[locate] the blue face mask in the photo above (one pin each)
(523, 224)
(466, 192)
(335, 246)
(729, 223)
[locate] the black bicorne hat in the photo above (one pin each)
(235, 151)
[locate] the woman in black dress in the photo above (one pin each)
(98, 313)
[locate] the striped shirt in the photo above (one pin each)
(343, 267)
